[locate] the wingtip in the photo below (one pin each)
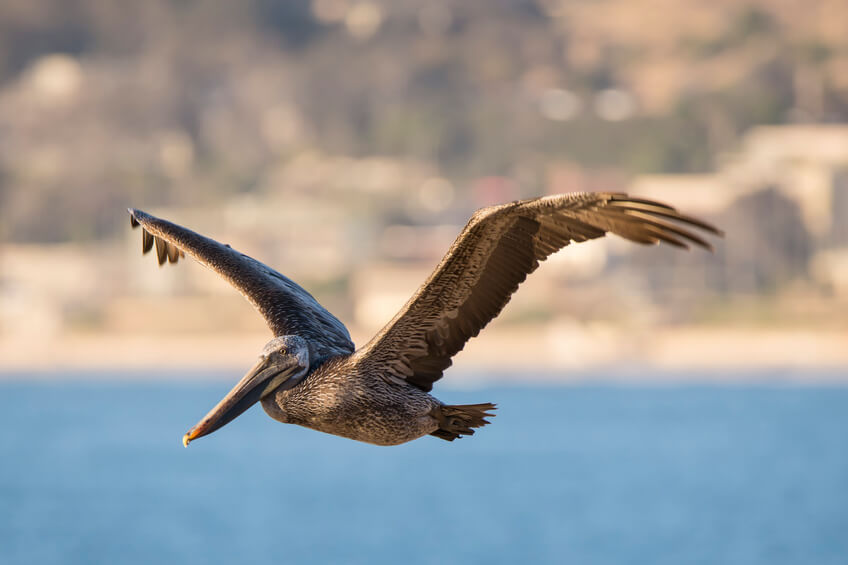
(708, 245)
(133, 222)
(136, 213)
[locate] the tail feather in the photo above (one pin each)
(458, 420)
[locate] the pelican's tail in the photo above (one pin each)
(457, 421)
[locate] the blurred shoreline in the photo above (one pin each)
(539, 353)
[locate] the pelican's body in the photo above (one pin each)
(310, 374)
(341, 399)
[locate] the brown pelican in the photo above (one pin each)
(311, 374)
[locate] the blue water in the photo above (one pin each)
(95, 473)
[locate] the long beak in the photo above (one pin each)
(249, 390)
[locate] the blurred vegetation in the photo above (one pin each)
(178, 102)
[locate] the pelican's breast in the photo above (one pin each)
(339, 400)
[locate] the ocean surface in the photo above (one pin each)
(94, 472)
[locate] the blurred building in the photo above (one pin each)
(349, 230)
(781, 199)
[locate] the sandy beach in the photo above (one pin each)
(556, 352)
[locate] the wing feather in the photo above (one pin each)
(287, 307)
(498, 248)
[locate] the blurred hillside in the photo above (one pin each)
(386, 124)
(168, 103)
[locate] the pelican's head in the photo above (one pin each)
(283, 362)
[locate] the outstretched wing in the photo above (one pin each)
(287, 307)
(495, 252)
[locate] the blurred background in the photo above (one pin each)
(345, 143)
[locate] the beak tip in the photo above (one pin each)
(186, 440)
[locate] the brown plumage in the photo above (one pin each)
(379, 393)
